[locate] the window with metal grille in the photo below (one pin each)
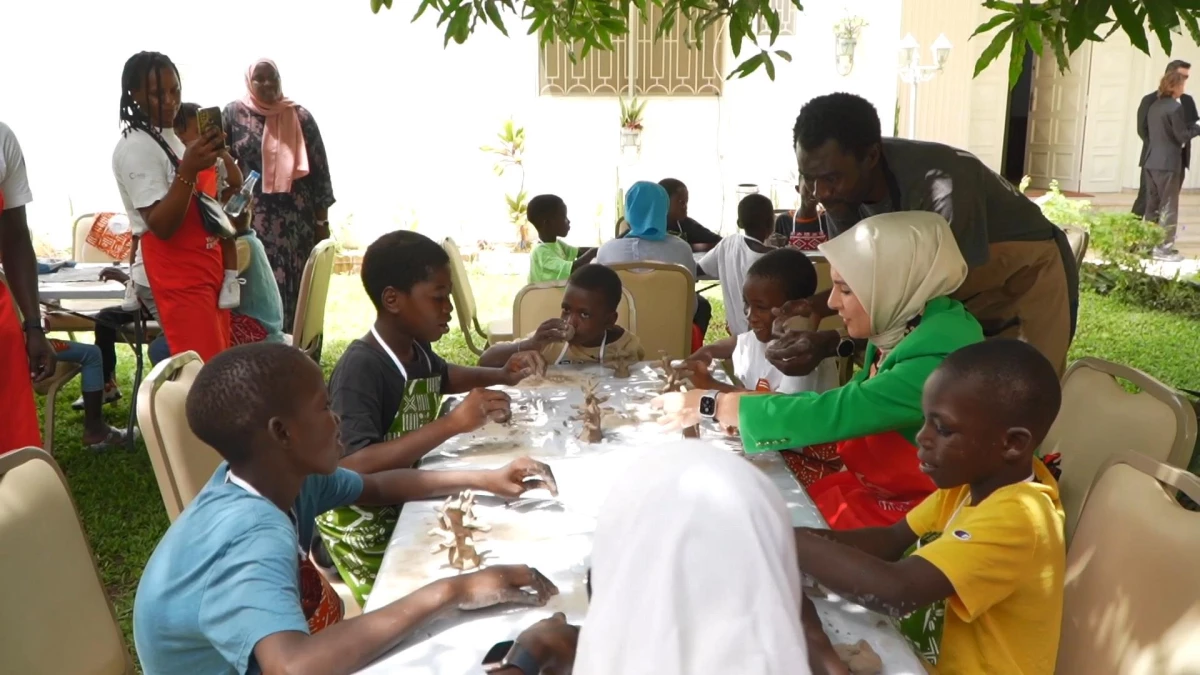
(787, 18)
(668, 66)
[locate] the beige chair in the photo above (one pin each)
(1130, 596)
(537, 302)
(83, 251)
(63, 373)
(182, 463)
(308, 331)
(500, 330)
(1079, 239)
(56, 614)
(1099, 418)
(667, 292)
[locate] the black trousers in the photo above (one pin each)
(703, 315)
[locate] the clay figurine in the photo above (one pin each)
(457, 526)
(675, 381)
(591, 413)
(620, 364)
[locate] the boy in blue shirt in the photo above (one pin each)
(229, 588)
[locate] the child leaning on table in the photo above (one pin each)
(586, 332)
(229, 588)
(553, 260)
(387, 388)
(777, 277)
(982, 593)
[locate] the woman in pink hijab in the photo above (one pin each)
(269, 133)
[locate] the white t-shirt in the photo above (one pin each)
(756, 373)
(144, 174)
(14, 183)
(729, 261)
(630, 249)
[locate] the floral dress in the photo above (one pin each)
(286, 223)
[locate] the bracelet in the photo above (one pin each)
(190, 183)
(34, 324)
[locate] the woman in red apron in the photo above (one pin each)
(157, 177)
(20, 426)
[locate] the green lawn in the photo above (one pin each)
(123, 512)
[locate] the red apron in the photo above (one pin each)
(19, 428)
(882, 482)
(185, 273)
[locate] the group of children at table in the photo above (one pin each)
(314, 476)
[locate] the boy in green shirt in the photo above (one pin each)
(553, 260)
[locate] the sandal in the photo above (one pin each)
(116, 438)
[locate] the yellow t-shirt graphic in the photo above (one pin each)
(1005, 558)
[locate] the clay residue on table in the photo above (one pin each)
(860, 658)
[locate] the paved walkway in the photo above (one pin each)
(1187, 240)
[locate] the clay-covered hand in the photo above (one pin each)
(682, 410)
(823, 659)
(113, 274)
(517, 478)
(518, 584)
(790, 310)
(552, 330)
(524, 364)
(799, 352)
(480, 406)
(552, 642)
(697, 371)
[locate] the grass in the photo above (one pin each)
(122, 509)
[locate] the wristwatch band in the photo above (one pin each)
(33, 324)
(521, 659)
(708, 404)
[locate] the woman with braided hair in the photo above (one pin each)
(156, 176)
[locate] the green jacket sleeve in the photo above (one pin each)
(887, 402)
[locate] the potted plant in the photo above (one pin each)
(845, 35)
(631, 122)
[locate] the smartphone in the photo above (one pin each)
(495, 656)
(209, 118)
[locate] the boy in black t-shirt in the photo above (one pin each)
(387, 389)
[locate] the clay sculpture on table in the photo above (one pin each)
(590, 413)
(620, 364)
(859, 658)
(676, 379)
(457, 526)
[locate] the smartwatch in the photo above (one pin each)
(845, 348)
(522, 659)
(708, 404)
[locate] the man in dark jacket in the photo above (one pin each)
(1190, 115)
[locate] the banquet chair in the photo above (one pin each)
(1079, 239)
(499, 330)
(308, 329)
(666, 291)
(56, 613)
(1129, 597)
(182, 463)
(537, 302)
(63, 373)
(1099, 418)
(83, 252)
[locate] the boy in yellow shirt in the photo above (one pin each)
(998, 558)
(587, 331)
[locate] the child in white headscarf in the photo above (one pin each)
(694, 571)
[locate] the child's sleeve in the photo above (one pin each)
(545, 264)
(985, 552)
(356, 395)
(252, 591)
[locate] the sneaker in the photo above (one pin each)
(111, 394)
(231, 294)
(1166, 254)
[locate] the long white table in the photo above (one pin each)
(555, 536)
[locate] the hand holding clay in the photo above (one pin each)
(552, 642)
(552, 330)
(799, 352)
(479, 406)
(518, 584)
(697, 371)
(520, 476)
(679, 409)
(524, 364)
(790, 310)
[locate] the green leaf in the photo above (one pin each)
(1131, 23)
(1162, 20)
(786, 56)
(1189, 21)
(772, 19)
(1017, 62)
(425, 4)
(376, 5)
(1082, 24)
(992, 23)
(993, 49)
(769, 65)
(735, 41)
(1033, 34)
(493, 13)
(748, 66)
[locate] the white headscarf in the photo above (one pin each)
(896, 263)
(694, 571)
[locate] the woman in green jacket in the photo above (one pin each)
(891, 273)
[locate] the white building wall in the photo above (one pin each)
(403, 118)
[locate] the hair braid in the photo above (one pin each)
(135, 75)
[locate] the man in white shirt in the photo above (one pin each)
(24, 349)
(732, 257)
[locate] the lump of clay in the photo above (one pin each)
(860, 658)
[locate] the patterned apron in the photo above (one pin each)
(356, 537)
(321, 605)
